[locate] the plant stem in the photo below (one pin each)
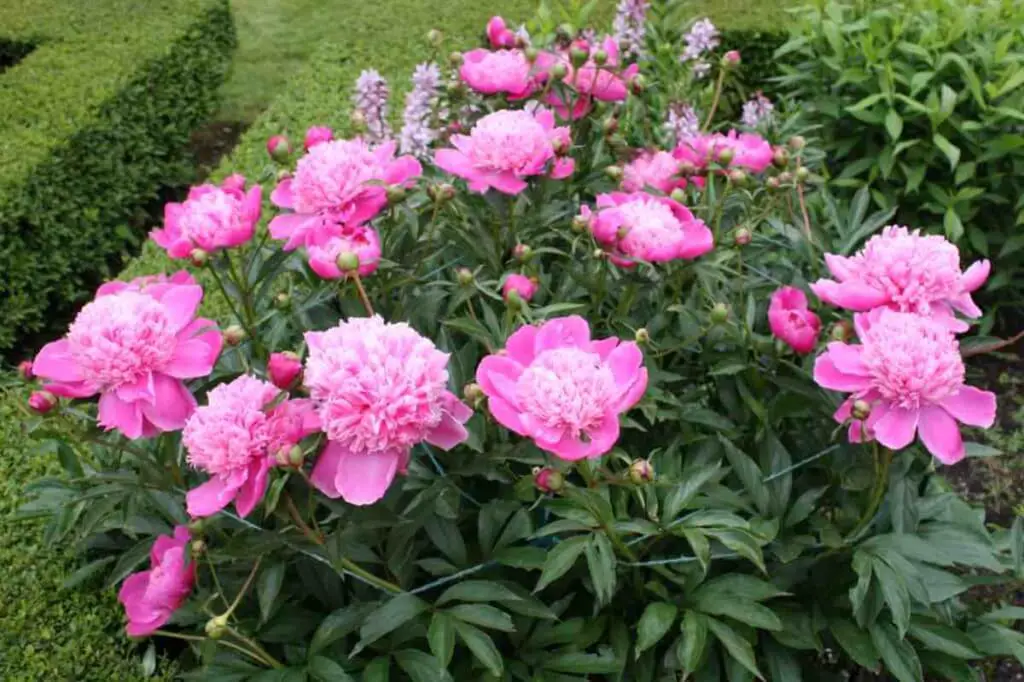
(803, 210)
(883, 458)
(362, 294)
(365, 575)
(255, 649)
(714, 100)
(195, 638)
(297, 518)
(245, 588)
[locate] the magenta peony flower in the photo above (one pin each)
(506, 71)
(316, 135)
(211, 218)
(909, 370)
(342, 181)
(905, 271)
(749, 151)
(234, 438)
(566, 392)
(134, 344)
(656, 169)
(498, 33)
(361, 240)
(521, 284)
(151, 597)
(283, 369)
(504, 148)
(638, 226)
(379, 389)
(607, 82)
(791, 320)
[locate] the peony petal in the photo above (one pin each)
(562, 168)
(827, 375)
(941, 435)
(847, 358)
(134, 587)
(191, 360)
(115, 413)
(604, 437)
(896, 428)
(975, 276)
(172, 406)
(364, 478)
(838, 266)
(454, 162)
(635, 391)
(252, 491)
(625, 363)
(403, 169)
(282, 195)
(506, 182)
(563, 332)
(604, 347)
(569, 448)
(325, 471)
(497, 376)
(506, 415)
(54, 362)
(448, 433)
(140, 391)
(181, 303)
(293, 228)
(209, 498)
(972, 406)
(520, 346)
(699, 240)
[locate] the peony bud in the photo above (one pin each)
(599, 254)
(25, 370)
(637, 84)
(678, 195)
(781, 157)
(732, 58)
(580, 224)
(234, 335)
(441, 193)
(518, 289)
(283, 300)
(455, 59)
(802, 174)
(514, 299)
(610, 125)
(317, 135)
(348, 261)
(614, 172)
(642, 336)
(797, 142)
(455, 89)
(548, 480)
(283, 369)
(861, 409)
(42, 401)
(473, 394)
(522, 252)
(531, 54)
(686, 169)
(785, 177)
(559, 71)
(395, 194)
(465, 276)
(216, 627)
(296, 456)
(743, 236)
(842, 331)
(641, 471)
(197, 526)
(719, 313)
(726, 156)
(773, 183)
(279, 148)
(198, 547)
(737, 177)
(578, 56)
(198, 257)
(358, 121)
(435, 37)
(600, 57)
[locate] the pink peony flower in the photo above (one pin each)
(134, 344)
(909, 370)
(607, 83)
(506, 71)
(316, 135)
(504, 148)
(283, 369)
(566, 392)
(342, 181)
(379, 389)
(211, 218)
(361, 240)
(905, 271)
(234, 438)
(750, 151)
(638, 226)
(521, 284)
(498, 34)
(656, 169)
(151, 597)
(791, 321)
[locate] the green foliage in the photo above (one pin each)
(94, 121)
(922, 102)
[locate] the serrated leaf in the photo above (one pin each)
(656, 620)
(481, 646)
(441, 637)
(560, 559)
(736, 645)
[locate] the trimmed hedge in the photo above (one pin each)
(94, 121)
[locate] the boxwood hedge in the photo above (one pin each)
(93, 121)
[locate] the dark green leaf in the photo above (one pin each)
(560, 559)
(393, 614)
(601, 563)
(477, 591)
(441, 637)
(482, 647)
(856, 643)
(338, 624)
(326, 670)
(86, 572)
(656, 620)
(268, 587)
(421, 666)
(483, 615)
(735, 644)
(944, 638)
(579, 662)
(694, 640)
(897, 654)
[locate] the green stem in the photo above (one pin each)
(245, 588)
(883, 459)
(365, 575)
(714, 100)
(194, 638)
(363, 298)
(255, 649)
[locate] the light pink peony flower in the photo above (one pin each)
(607, 83)
(317, 135)
(905, 271)
(361, 240)
(211, 218)
(283, 369)
(566, 392)
(506, 71)
(656, 169)
(791, 320)
(909, 370)
(151, 597)
(638, 226)
(234, 438)
(342, 181)
(380, 389)
(521, 284)
(750, 151)
(498, 33)
(504, 148)
(134, 344)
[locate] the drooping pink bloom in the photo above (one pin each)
(316, 135)
(283, 369)
(792, 321)
(498, 34)
(750, 151)
(909, 370)
(506, 71)
(211, 218)
(380, 388)
(151, 597)
(135, 344)
(506, 147)
(234, 438)
(653, 168)
(638, 226)
(342, 181)
(566, 392)
(607, 83)
(905, 271)
(521, 284)
(361, 240)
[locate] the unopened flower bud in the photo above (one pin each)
(785, 177)
(348, 261)
(42, 402)
(283, 174)
(842, 331)
(548, 480)
(614, 172)
(600, 57)
(358, 121)
(514, 299)
(216, 627)
(473, 394)
(199, 257)
(802, 174)
(531, 54)
(578, 56)
(861, 409)
(455, 59)
(234, 335)
(522, 252)
(198, 547)
(284, 369)
(465, 276)
(678, 195)
(731, 58)
(283, 300)
(435, 37)
(641, 471)
(395, 194)
(797, 142)
(743, 236)
(781, 157)
(637, 84)
(642, 336)
(296, 456)
(773, 183)
(599, 254)
(455, 89)
(441, 193)
(197, 526)
(726, 156)
(25, 370)
(719, 313)
(279, 148)
(686, 169)
(559, 71)
(580, 224)
(737, 177)
(610, 125)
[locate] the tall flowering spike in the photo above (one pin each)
(566, 392)
(380, 389)
(371, 100)
(908, 369)
(135, 344)
(338, 182)
(701, 39)
(757, 111)
(682, 122)
(630, 26)
(418, 131)
(211, 218)
(637, 226)
(749, 151)
(656, 169)
(234, 438)
(905, 271)
(151, 597)
(505, 148)
(792, 321)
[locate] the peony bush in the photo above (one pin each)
(553, 384)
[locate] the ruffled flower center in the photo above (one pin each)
(207, 219)
(224, 436)
(509, 141)
(566, 389)
(657, 170)
(649, 225)
(332, 174)
(164, 583)
(508, 67)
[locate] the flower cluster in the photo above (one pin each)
(682, 122)
(757, 111)
(701, 39)
(418, 131)
(630, 26)
(371, 105)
